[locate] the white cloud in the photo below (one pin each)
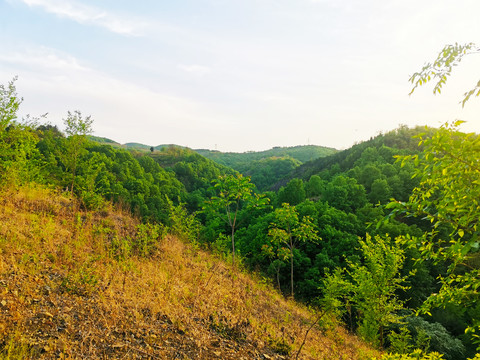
(41, 58)
(85, 14)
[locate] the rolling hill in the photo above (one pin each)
(77, 284)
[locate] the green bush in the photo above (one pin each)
(147, 238)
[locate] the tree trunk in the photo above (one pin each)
(278, 278)
(73, 181)
(74, 171)
(291, 272)
(233, 246)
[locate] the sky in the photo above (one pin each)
(238, 75)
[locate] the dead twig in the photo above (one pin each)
(322, 314)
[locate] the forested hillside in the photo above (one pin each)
(401, 140)
(194, 171)
(267, 167)
(302, 153)
(381, 239)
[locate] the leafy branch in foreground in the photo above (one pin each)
(448, 196)
(441, 68)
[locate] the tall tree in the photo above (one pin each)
(233, 192)
(77, 128)
(17, 139)
(293, 193)
(289, 230)
(9, 104)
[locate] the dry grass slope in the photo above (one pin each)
(70, 289)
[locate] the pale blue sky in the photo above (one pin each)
(237, 75)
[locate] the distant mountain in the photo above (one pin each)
(302, 153)
(130, 145)
(139, 146)
(402, 138)
(107, 141)
(104, 141)
(268, 167)
(397, 142)
(136, 146)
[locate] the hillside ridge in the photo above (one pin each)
(76, 284)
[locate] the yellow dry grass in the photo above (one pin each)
(65, 294)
